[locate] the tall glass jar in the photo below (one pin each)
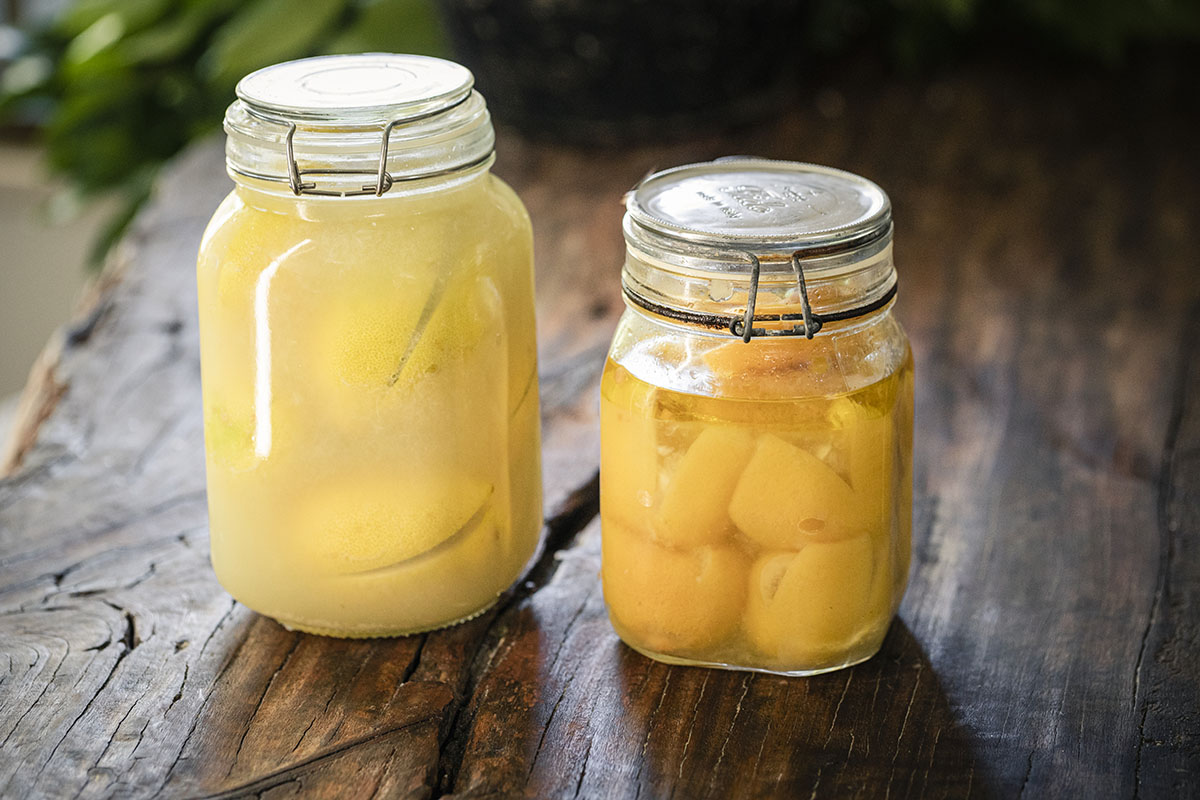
(756, 421)
(367, 351)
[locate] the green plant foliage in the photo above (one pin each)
(119, 86)
(265, 32)
(371, 30)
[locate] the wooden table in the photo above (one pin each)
(1049, 644)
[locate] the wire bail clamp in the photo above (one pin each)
(743, 327)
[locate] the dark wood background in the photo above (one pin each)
(1048, 242)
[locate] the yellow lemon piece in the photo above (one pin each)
(458, 317)
(628, 457)
(627, 393)
(247, 249)
(237, 281)
(669, 601)
(373, 347)
(229, 438)
(870, 451)
(695, 502)
(367, 522)
(805, 608)
(462, 575)
(238, 439)
(361, 336)
(454, 580)
(787, 496)
(524, 466)
(786, 367)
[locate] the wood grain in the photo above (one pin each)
(1049, 644)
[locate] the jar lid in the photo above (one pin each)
(756, 203)
(356, 89)
(357, 125)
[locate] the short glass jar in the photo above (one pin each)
(756, 421)
(367, 351)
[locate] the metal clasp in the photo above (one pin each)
(744, 327)
(383, 179)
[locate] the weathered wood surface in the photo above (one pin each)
(1049, 645)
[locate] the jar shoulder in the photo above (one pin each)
(255, 227)
(508, 203)
(835, 362)
(218, 225)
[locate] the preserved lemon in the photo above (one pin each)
(683, 601)
(756, 416)
(369, 362)
(754, 550)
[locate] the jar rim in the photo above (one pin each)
(355, 89)
(739, 224)
(762, 206)
(294, 124)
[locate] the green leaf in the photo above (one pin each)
(26, 75)
(173, 37)
(95, 95)
(392, 26)
(265, 33)
(95, 39)
(103, 159)
(134, 14)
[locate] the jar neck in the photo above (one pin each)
(278, 198)
(300, 157)
(842, 291)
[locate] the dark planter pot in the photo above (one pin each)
(621, 71)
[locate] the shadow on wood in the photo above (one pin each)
(564, 706)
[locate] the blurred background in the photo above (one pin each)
(96, 95)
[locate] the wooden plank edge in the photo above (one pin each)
(44, 388)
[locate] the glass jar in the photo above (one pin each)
(756, 421)
(367, 351)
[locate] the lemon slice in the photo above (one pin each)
(367, 523)
(806, 607)
(787, 497)
(629, 458)
(695, 503)
(670, 601)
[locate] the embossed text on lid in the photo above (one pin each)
(750, 201)
(356, 88)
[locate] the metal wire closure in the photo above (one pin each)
(742, 325)
(746, 329)
(384, 180)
